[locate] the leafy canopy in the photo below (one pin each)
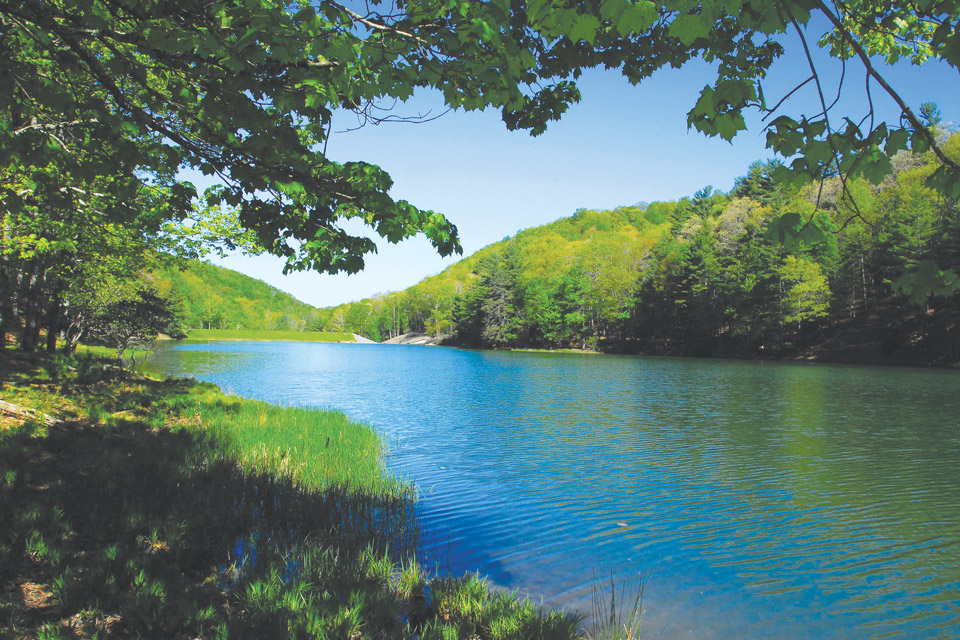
(245, 91)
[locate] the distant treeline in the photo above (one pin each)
(717, 273)
(211, 297)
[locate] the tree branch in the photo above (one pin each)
(53, 127)
(774, 108)
(376, 25)
(872, 71)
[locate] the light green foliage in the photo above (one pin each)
(739, 273)
(212, 297)
(807, 292)
(613, 263)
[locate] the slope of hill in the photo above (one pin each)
(767, 270)
(212, 297)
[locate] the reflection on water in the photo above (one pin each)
(762, 500)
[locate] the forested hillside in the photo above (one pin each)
(211, 297)
(713, 274)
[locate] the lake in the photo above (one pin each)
(756, 500)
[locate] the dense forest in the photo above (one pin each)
(211, 297)
(713, 274)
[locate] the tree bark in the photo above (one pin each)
(53, 325)
(32, 311)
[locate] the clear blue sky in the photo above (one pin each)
(620, 145)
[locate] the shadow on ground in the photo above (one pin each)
(126, 523)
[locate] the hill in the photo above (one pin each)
(768, 270)
(212, 297)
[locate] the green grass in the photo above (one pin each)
(260, 334)
(169, 509)
(309, 446)
(576, 351)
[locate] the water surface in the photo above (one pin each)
(758, 500)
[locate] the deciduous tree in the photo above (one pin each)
(246, 91)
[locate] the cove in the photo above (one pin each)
(757, 500)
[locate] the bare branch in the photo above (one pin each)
(53, 126)
(376, 26)
(774, 108)
(826, 117)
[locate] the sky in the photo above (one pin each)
(620, 145)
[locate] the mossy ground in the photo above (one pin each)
(168, 509)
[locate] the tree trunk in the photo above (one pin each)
(863, 277)
(32, 311)
(53, 325)
(5, 312)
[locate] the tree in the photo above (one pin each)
(808, 294)
(246, 92)
(612, 263)
(61, 255)
(135, 322)
(502, 323)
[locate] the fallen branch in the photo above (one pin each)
(26, 413)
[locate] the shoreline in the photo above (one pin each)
(814, 354)
(844, 359)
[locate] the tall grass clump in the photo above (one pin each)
(311, 447)
(169, 509)
(616, 616)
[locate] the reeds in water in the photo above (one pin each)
(616, 615)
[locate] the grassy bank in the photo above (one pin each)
(586, 352)
(169, 509)
(262, 334)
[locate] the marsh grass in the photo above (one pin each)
(168, 509)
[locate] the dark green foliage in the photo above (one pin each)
(759, 184)
(135, 322)
(500, 317)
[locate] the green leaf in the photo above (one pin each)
(585, 28)
(927, 279)
(534, 9)
(874, 165)
(946, 181)
(785, 228)
(897, 141)
(690, 27)
(612, 9)
(729, 124)
(637, 18)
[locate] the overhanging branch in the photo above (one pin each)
(872, 71)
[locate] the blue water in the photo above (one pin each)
(755, 500)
